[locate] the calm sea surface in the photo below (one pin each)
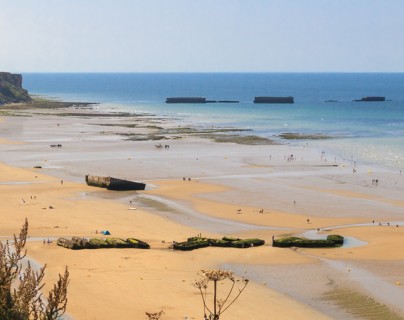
(368, 132)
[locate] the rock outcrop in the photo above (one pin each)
(11, 90)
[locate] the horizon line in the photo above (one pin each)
(207, 72)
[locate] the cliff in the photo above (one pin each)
(11, 90)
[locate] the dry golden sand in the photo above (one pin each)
(191, 190)
(124, 284)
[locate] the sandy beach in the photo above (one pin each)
(199, 186)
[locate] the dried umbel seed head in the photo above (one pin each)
(218, 275)
(201, 283)
(235, 288)
(244, 280)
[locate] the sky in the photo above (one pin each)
(202, 35)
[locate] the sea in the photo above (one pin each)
(365, 132)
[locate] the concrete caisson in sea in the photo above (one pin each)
(370, 99)
(228, 101)
(186, 100)
(274, 100)
(197, 100)
(114, 183)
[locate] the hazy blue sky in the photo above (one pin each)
(201, 35)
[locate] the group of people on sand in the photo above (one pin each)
(290, 158)
(388, 224)
(34, 198)
(159, 146)
(23, 200)
(186, 179)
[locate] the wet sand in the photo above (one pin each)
(229, 184)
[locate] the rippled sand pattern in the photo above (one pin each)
(360, 305)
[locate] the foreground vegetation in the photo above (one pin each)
(233, 291)
(20, 287)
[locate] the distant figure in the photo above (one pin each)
(308, 220)
(61, 181)
(294, 202)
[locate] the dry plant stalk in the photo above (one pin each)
(219, 305)
(20, 288)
